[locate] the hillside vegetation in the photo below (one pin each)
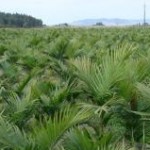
(19, 20)
(75, 89)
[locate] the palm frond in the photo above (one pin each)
(48, 136)
(101, 79)
(11, 137)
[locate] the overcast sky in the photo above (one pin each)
(59, 11)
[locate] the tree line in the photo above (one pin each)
(18, 20)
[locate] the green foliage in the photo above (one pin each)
(18, 20)
(75, 88)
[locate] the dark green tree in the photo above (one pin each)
(19, 20)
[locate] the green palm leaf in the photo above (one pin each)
(11, 137)
(48, 136)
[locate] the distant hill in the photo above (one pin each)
(18, 20)
(108, 22)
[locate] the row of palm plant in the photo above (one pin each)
(74, 89)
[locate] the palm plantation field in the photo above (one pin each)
(75, 88)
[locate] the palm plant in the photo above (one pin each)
(45, 73)
(46, 135)
(111, 78)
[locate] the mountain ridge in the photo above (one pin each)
(109, 22)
